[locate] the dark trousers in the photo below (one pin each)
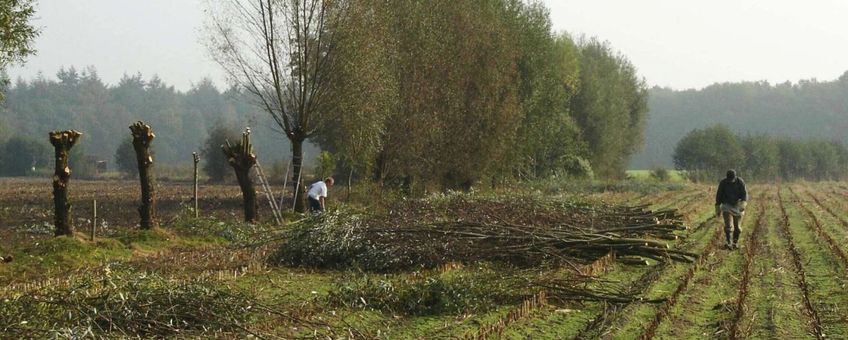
(315, 205)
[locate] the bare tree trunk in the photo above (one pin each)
(297, 176)
(142, 137)
(62, 142)
(242, 158)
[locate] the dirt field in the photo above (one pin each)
(29, 201)
(788, 280)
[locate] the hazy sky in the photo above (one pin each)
(681, 44)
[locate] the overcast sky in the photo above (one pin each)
(680, 44)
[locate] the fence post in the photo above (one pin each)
(94, 221)
(196, 160)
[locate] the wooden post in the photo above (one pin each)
(297, 189)
(142, 137)
(196, 160)
(349, 180)
(94, 221)
(285, 183)
(62, 142)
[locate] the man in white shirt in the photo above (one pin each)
(317, 192)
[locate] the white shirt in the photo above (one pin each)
(317, 190)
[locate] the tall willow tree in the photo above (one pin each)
(610, 108)
(364, 88)
(548, 69)
(284, 53)
(446, 94)
(457, 106)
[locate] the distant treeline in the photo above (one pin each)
(807, 109)
(456, 92)
(706, 153)
(81, 100)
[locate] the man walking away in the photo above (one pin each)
(731, 201)
(317, 192)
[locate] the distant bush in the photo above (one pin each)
(560, 185)
(661, 174)
(705, 155)
(576, 167)
(214, 161)
(125, 159)
(82, 165)
(21, 156)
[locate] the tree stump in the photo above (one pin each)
(142, 136)
(62, 142)
(242, 158)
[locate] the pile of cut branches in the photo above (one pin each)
(524, 231)
(135, 305)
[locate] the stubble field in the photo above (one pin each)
(786, 282)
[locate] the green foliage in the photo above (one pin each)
(18, 36)
(660, 174)
(610, 107)
(326, 164)
(124, 304)
(762, 156)
(553, 186)
(125, 159)
(575, 167)
(82, 101)
(430, 293)
(706, 154)
(21, 156)
(501, 96)
(215, 163)
(83, 165)
(806, 109)
(18, 32)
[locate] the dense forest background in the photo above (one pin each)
(807, 109)
(181, 120)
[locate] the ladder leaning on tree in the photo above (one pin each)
(275, 209)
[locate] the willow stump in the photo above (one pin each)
(62, 142)
(242, 158)
(142, 136)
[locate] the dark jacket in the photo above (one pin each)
(730, 192)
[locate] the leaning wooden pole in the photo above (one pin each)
(142, 136)
(196, 205)
(62, 142)
(242, 158)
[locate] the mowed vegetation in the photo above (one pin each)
(214, 276)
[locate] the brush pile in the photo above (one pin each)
(523, 231)
(135, 305)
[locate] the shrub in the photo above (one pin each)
(431, 293)
(326, 165)
(22, 156)
(125, 159)
(132, 305)
(214, 161)
(660, 174)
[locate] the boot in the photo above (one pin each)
(727, 239)
(736, 238)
